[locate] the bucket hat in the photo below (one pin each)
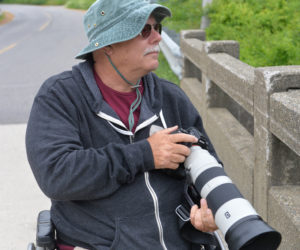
(111, 21)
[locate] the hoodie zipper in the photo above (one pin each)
(156, 211)
(131, 139)
(155, 202)
(131, 135)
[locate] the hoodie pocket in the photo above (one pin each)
(136, 233)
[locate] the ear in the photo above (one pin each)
(108, 50)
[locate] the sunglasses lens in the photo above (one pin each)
(157, 28)
(146, 30)
(148, 27)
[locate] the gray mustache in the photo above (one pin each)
(153, 49)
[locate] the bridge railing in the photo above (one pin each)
(252, 116)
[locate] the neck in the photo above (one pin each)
(114, 78)
(111, 78)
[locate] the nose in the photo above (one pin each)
(155, 37)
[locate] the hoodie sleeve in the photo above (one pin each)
(63, 168)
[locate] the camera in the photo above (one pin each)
(238, 221)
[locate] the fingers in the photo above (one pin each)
(169, 130)
(202, 218)
(167, 152)
(181, 137)
(178, 158)
(203, 204)
(181, 150)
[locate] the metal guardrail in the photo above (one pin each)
(172, 53)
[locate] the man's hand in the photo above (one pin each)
(167, 152)
(202, 218)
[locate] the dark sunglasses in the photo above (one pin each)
(145, 33)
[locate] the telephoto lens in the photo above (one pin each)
(240, 224)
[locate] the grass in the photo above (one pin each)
(1, 17)
(268, 31)
(187, 16)
(164, 71)
(36, 2)
(79, 4)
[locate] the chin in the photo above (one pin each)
(150, 65)
(155, 65)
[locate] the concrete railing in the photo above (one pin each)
(252, 116)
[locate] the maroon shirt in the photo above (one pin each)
(120, 101)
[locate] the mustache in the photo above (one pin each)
(153, 49)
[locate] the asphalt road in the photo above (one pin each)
(37, 43)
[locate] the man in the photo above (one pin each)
(100, 138)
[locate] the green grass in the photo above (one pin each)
(79, 4)
(37, 2)
(268, 31)
(186, 14)
(1, 17)
(74, 4)
(164, 70)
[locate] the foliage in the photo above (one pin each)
(186, 14)
(79, 4)
(37, 2)
(268, 31)
(25, 1)
(75, 4)
(56, 2)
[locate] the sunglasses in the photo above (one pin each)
(145, 33)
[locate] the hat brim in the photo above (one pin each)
(127, 29)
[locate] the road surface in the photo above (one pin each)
(39, 42)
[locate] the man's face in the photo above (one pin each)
(139, 54)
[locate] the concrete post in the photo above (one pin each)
(212, 96)
(189, 69)
(210, 92)
(267, 81)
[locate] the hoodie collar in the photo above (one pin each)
(151, 101)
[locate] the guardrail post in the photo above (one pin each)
(268, 80)
(194, 67)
